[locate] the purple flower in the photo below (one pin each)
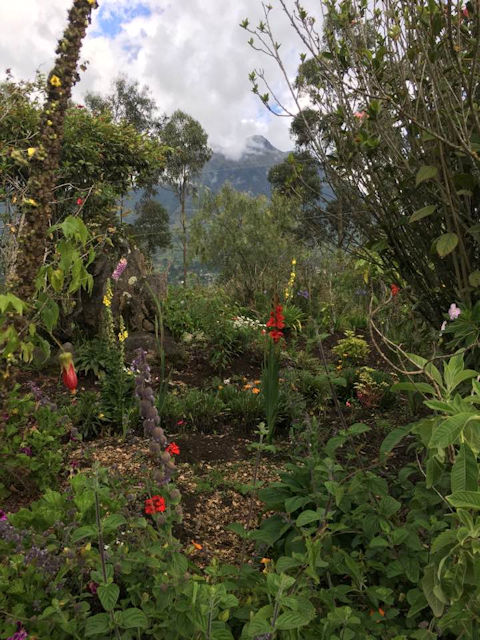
(92, 586)
(304, 293)
(454, 311)
(20, 633)
(120, 268)
(3, 515)
(27, 451)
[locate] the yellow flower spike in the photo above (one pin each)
(294, 261)
(55, 81)
(31, 151)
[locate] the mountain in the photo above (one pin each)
(246, 172)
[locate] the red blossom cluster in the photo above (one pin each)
(173, 449)
(276, 323)
(394, 288)
(155, 504)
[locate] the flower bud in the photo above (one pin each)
(155, 448)
(158, 435)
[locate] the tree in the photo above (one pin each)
(392, 95)
(249, 240)
(151, 230)
(127, 102)
(188, 153)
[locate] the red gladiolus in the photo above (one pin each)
(394, 288)
(69, 378)
(276, 322)
(173, 449)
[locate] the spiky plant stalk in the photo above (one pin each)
(37, 204)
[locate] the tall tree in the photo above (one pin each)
(151, 230)
(188, 153)
(128, 102)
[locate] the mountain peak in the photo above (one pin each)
(258, 143)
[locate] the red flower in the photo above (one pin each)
(69, 378)
(159, 503)
(173, 449)
(149, 508)
(394, 288)
(276, 335)
(155, 504)
(276, 322)
(271, 322)
(79, 201)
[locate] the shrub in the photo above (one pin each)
(351, 349)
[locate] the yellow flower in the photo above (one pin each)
(91, 1)
(220, 387)
(265, 560)
(294, 261)
(30, 201)
(123, 335)
(107, 301)
(256, 382)
(49, 123)
(55, 81)
(31, 151)
(101, 415)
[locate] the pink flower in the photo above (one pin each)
(454, 311)
(443, 327)
(93, 586)
(348, 404)
(3, 515)
(120, 268)
(180, 422)
(360, 115)
(79, 201)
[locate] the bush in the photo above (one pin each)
(351, 349)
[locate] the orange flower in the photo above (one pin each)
(247, 386)
(197, 546)
(255, 390)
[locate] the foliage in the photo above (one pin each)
(372, 388)
(188, 152)
(129, 103)
(30, 445)
(91, 356)
(250, 241)
(351, 349)
(405, 173)
(151, 230)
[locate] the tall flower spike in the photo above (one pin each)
(151, 419)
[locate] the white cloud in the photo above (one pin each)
(191, 53)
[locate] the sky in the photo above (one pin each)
(192, 54)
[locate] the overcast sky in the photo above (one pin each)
(191, 53)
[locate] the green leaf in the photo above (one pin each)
(97, 625)
(427, 172)
(108, 595)
(293, 620)
(428, 584)
(474, 279)
(220, 631)
(132, 618)
(285, 563)
(464, 476)
(296, 502)
(423, 213)
(465, 499)
(112, 522)
(239, 529)
(87, 531)
(393, 438)
(446, 243)
(307, 517)
(49, 314)
(448, 431)
(444, 539)
(421, 387)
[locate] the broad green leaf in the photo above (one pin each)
(49, 314)
(285, 563)
(112, 522)
(423, 213)
(239, 529)
(108, 595)
(447, 432)
(358, 428)
(446, 243)
(293, 620)
(87, 531)
(220, 631)
(307, 517)
(297, 502)
(56, 279)
(445, 539)
(428, 584)
(464, 476)
(474, 279)
(97, 625)
(393, 438)
(421, 387)
(132, 618)
(427, 172)
(465, 499)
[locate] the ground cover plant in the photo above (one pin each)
(289, 451)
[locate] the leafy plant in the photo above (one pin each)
(351, 349)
